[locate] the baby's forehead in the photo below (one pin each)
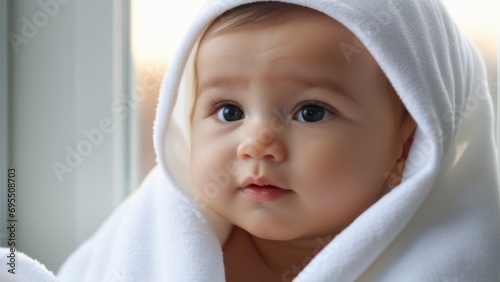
(309, 51)
(303, 41)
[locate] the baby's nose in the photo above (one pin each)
(260, 142)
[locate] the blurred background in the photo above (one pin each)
(78, 90)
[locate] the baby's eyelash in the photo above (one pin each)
(313, 103)
(318, 103)
(215, 104)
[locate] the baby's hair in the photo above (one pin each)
(260, 14)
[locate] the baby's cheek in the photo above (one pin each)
(210, 185)
(201, 162)
(209, 171)
(374, 163)
(338, 172)
(334, 164)
(197, 172)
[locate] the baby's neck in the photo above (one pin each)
(290, 257)
(268, 260)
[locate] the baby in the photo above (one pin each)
(346, 141)
(313, 139)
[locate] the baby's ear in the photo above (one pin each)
(404, 142)
(406, 134)
(407, 144)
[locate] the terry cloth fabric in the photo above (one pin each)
(21, 268)
(442, 223)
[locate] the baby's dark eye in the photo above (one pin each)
(230, 113)
(312, 113)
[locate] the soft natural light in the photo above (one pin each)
(480, 19)
(158, 26)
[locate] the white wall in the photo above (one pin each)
(65, 76)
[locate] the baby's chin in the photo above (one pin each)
(286, 233)
(272, 235)
(270, 226)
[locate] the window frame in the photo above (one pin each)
(4, 114)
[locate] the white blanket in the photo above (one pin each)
(442, 223)
(18, 267)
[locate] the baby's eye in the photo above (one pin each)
(312, 113)
(230, 113)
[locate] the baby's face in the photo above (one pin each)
(281, 106)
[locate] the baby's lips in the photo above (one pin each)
(260, 181)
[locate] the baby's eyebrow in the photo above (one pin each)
(298, 80)
(221, 82)
(291, 80)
